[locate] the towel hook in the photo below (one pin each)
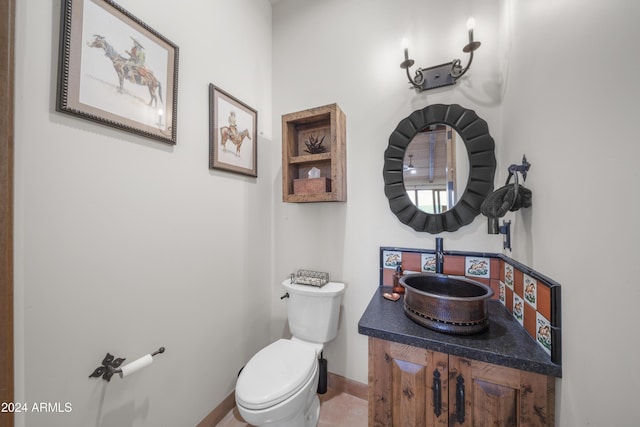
(508, 198)
(523, 168)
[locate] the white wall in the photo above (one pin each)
(124, 244)
(341, 51)
(571, 92)
(556, 81)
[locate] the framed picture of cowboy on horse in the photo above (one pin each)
(116, 70)
(232, 134)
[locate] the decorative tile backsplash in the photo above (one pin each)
(477, 267)
(428, 263)
(532, 298)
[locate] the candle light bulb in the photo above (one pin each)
(405, 46)
(471, 23)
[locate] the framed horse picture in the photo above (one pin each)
(233, 134)
(116, 70)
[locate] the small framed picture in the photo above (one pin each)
(116, 70)
(233, 134)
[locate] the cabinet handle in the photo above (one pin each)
(437, 393)
(460, 399)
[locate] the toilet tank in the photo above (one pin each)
(313, 311)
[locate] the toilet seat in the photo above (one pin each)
(275, 373)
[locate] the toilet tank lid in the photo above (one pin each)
(275, 373)
(328, 290)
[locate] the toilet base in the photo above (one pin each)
(308, 419)
(313, 414)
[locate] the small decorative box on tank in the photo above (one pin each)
(314, 155)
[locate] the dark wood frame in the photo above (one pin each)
(7, 25)
(71, 79)
(215, 122)
(482, 167)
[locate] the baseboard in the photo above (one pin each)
(219, 411)
(345, 385)
(334, 381)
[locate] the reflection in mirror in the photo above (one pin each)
(435, 169)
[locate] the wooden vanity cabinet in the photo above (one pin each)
(411, 386)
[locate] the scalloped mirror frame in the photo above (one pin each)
(482, 167)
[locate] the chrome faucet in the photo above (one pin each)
(439, 256)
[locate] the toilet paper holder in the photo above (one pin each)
(111, 365)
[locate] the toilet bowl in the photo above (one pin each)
(278, 386)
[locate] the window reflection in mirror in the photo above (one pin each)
(435, 169)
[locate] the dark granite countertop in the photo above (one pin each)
(504, 343)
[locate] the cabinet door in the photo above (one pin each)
(408, 386)
(483, 394)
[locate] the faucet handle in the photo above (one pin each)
(439, 256)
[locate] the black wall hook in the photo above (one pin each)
(523, 168)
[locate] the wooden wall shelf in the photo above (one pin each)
(328, 122)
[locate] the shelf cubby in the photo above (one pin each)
(328, 125)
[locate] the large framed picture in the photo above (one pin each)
(116, 70)
(233, 134)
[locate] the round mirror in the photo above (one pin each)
(463, 202)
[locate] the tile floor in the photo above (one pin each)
(337, 409)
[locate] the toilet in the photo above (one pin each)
(277, 387)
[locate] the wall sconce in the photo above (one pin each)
(443, 74)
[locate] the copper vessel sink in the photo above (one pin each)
(451, 304)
